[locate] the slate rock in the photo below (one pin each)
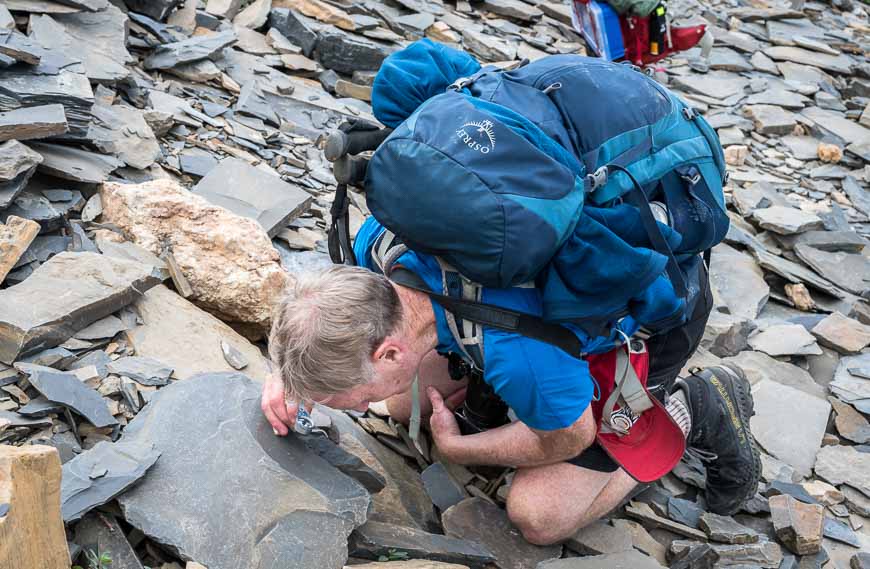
(850, 423)
(197, 162)
(374, 539)
(761, 554)
(441, 487)
(771, 119)
(250, 192)
(838, 531)
(692, 555)
(796, 491)
(39, 407)
(33, 122)
(622, 560)
(297, 28)
(69, 163)
(296, 505)
(837, 125)
(100, 474)
(718, 84)
(785, 340)
(346, 53)
(724, 529)
(857, 195)
(851, 382)
(843, 464)
(798, 525)
(157, 9)
(100, 533)
(685, 512)
(190, 50)
(480, 521)
(843, 334)
(783, 409)
(16, 235)
(786, 220)
(860, 560)
(142, 370)
(233, 356)
(737, 282)
(123, 132)
(67, 389)
(599, 538)
(17, 165)
(345, 462)
(487, 47)
(795, 273)
(19, 47)
(846, 270)
(21, 89)
(833, 63)
(35, 315)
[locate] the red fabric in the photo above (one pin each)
(635, 36)
(655, 443)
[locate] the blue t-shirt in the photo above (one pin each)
(546, 388)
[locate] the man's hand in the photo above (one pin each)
(445, 429)
(280, 413)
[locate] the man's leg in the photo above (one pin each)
(551, 503)
(433, 372)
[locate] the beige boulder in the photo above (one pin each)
(736, 155)
(232, 267)
(830, 153)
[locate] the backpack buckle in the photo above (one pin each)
(598, 178)
(689, 113)
(460, 84)
(692, 176)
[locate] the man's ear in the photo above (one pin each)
(389, 352)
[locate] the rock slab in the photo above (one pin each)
(291, 504)
(798, 525)
(31, 529)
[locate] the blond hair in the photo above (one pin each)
(326, 328)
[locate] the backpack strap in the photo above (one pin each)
(628, 391)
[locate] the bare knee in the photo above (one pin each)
(534, 523)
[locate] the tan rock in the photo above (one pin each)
(319, 11)
(841, 333)
(830, 153)
(298, 62)
(187, 338)
(850, 423)
(736, 155)
(800, 296)
(229, 261)
(347, 89)
(15, 237)
(254, 15)
(223, 8)
(443, 33)
(798, 526)
(823, 492)
(31, 529)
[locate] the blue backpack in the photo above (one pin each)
(584, 178)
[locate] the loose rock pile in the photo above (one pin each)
(161, 180)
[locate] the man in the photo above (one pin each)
(349, 336)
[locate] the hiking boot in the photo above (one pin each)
(721, 404)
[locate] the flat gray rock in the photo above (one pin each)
(851, 382)
(157, 9)
(796, 273)
(70, 163)
(190, 50)
(345, 53)
(513, 9)
(782, 409)
(758, 367)
(299, 29)
(737, 282)
(35, 205)
(374, 539)
(771, 119)
(64, 295)
(19, 47)
(100, 474)
(249, 192)
(724, 529)
(67, 389)
(444, 490)
(726, 59)
(17, 165)
(623, 560)
(786, 220)
(849, 271)
(843, 334)
(291, 505)
(34, 122)
(719, 84)
(122, 131)
(480, 521)
(834, 63)
(779, 97)
(844, 464)
(103, 328)
(785, 340)
(837, 125)
(142, 370)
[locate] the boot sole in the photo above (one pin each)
(742, 393)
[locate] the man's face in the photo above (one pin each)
(393, 374)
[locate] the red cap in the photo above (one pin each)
(655, 443)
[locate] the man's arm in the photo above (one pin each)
(511, 445)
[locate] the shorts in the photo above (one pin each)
(668, 353)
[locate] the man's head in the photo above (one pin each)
(338, 337)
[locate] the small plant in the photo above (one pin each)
(394, 555)
(102, 560)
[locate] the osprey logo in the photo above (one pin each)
(478, 136)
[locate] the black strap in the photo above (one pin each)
(338, 236)
(493, 316)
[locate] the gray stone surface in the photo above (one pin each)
(122, 131)
(758, 367)
(142, 370)
(785, 340)
(843, 334)
(786, 220)
(782, 409)
(851, 382)
(843, 464)
(189, 50)
(724, 529)
(622, 560)
(100, 474)
(17, 165)
(35, 315)
(70, 163)
(737, 282)
(848, 271)
(297, 28)
(374, 539)
(20, 88)
(770, 119)
(295, 507)
(101, 533)
(345, 53)
(249, 192)
(600, 538)
(157, 9)
(34, 122)
(480, 521)
(441, 487)
(833, 63)
(67, 389)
